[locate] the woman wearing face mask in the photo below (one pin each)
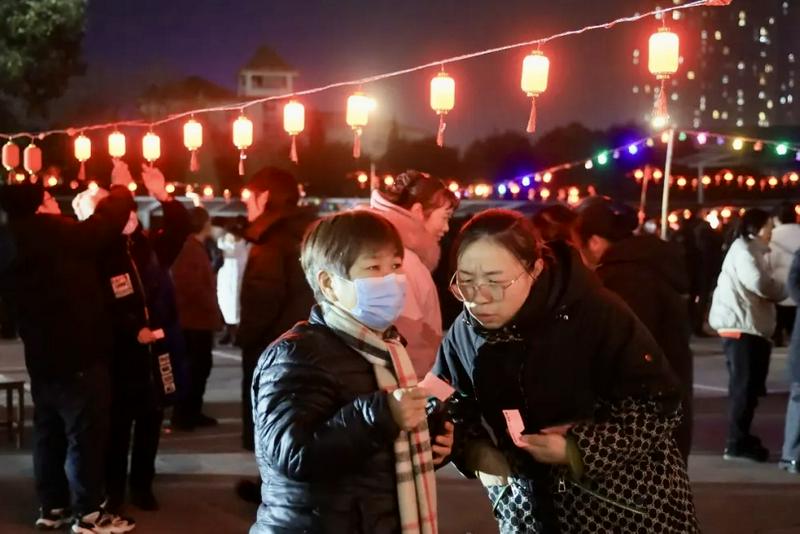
(147, 350)
(420, 207)
(342, 442)
(579, 399)
(743, 312)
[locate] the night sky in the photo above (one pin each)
(129, 44)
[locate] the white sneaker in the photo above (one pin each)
(54, 519)
(102, 522)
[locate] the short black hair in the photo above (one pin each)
(334, 243)
(198, 217)
(785, 212)
(752, 222)
(284, 190)
(603, 217)
(509, 229)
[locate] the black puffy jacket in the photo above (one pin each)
(324, 438)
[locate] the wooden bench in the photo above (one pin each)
(15, 414)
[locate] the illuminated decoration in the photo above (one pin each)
(589, 164)
(794, 177)
(443, 100)
(758, 146)
(93, 187)
(11, 157)
(706, 180)
(658, 174)
(547, 177)
(363, 178)
(526, 181)
(681, 182)
(663, 62)
(773, 182)
(132, 187)
(151, 147)
(193, 140)
(573, 196)
(170, 188)
(665, 137)
(728, 176)
(514, 188)
(242, 138)
(751, 182)
(453, 187)
(682, 136)
(32, 160)
(246, 195)
(116, 145)
(358, 108)
(208, 191)
(602, 159)
(389, 180)
(702, 138)
(52, 181)
(633, 150)
(738, 143)
(650, 142)
(782, 149)
(638, 174)
(502, 189)
(294, 122)
(545, 194)
(535, 74)
(83, 151)
(73, 184)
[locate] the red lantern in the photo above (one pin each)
(294, 122)
(358, 108)
(443, 100)
(242, 138)
(535, 74)
(193, 140)
(83, 151)
(663, 62)
(32, 160)
(10, 158)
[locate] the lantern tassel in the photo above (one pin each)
(532, 119)
(293, 151)
(661, 102)
(242, 157)
(357, 143)
(82, 172)
(194, 165)
(440, 133)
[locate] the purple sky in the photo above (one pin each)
(591, 75)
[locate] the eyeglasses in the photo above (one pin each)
(492, 291)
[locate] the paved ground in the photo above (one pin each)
(197, 470)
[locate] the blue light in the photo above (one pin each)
(501, 189)
(633, 149)
(526, 181)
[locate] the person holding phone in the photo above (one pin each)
(579, 401)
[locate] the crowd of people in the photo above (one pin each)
(547, 357)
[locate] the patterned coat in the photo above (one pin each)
(574, 354)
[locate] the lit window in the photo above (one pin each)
(675, 96)
(762, 116)
(676, 15)
(636, 61)
(763, 39)
(739, 122)
(726, 51)
(718, 35)
(742, 14)
(762, 81)
(741, 65)
(763, 31)
(636, 89)
(770, 104)
(790, 99)
(725, 79)
(704, 35)
(740, 102)
(724, 115)
(791, 58)
(768, 69)
(690, 75)
(696, 123)
(772, 20)
(742, 23)
(715, 114)
(647, 89)
(762, 95)
(783, 100)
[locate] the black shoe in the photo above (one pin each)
(54, 519)
(202, 421)
(752, 451)
(101, 522)
(790, 466)
(181, 424)
(249, 491)
(144, 500)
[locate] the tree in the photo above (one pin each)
(40, 49)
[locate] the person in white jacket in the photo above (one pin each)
(785, 242)
(420, 207)
(743, 312)
(229, 278)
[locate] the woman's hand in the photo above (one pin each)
(443, 445)
(146, 336)
(545, 448)
(408, 407)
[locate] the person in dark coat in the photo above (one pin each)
(580, 400)
(148, 347)
(66, 328)
(648, 274)
(790, 458)
(199, 315)
(342, 442)
(274, 293)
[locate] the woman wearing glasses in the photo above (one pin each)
(573, 404)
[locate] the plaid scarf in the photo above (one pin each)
(416, 482)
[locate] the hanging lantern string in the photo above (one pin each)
(771, 142)
(370, 79)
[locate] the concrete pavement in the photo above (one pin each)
(197, 470)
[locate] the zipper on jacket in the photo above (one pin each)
(603, 498)
(562, 485)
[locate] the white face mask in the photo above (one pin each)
(133, 222)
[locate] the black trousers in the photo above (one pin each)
(134, 414)
(249, 363)
(747, 359)
(70, 424)
(199, 359)
(785, 317)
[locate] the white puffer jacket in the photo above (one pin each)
(746, 293)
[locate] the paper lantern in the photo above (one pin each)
(83, 151)
(116, 145)
(663, 62)
(32, 160)
(242, 138)
(10, 158)
(358, 108)
(193, 140)
(151, 147)
(535, 74)
(443, 100)
(208, 191)
(294, 122)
